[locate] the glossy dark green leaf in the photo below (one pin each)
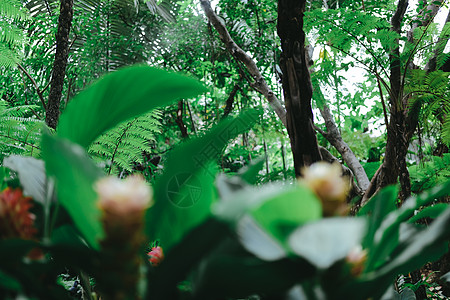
(376, 209)
(184, 193)
(15, 249)
(386, 237)
(119, 96)
(423, 247)
(75, 175)
(224, 276)
(181, 259)
(430, 212)
(69, 249)
(8, 282)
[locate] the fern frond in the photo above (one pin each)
(10, 34)
(122, 147)
(19, 133)
(13, 9)
(7, 57)
(446, 131)
(432, 173)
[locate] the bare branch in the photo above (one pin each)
(334, 137)
(38, 90)
(259, 84)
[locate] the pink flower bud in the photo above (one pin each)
(155, 256)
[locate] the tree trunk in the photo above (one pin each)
(179, 120)
(230, 100)
(60, 63)
(296, 81)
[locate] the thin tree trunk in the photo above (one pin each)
(179, 120)
(403, 118)
(297, 87)
(60, 63)
(396, 144)
(230, 100)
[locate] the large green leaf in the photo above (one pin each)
(376, 209)
(386, 236)
(184, 193)
(430, 212)
(270, 214)
(31, 172)
(329, 240)
(8, 282)
(75, 175)
(184, 256)
(426, 246)
(286, 211)
(230, 275)
(120, 96)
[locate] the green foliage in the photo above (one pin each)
(184, 193)
(433, 172)
(222, 237)
(13, 9)
(254, 240)
(10, 35)
(430, 90)
(20, 131)
(123, 146)
(80, 202)
(115, 87)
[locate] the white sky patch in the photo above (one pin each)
(356, 74)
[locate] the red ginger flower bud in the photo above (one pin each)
(357, 259)
(16, 221)
(123, 204)
(155, 256)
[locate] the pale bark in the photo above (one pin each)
(334, 137)
(259, 84)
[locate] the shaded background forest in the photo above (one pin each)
(364, 83)
(175, 35)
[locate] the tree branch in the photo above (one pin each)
(179, 120)
(259, 83)
(38, 91)
(334, 137)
